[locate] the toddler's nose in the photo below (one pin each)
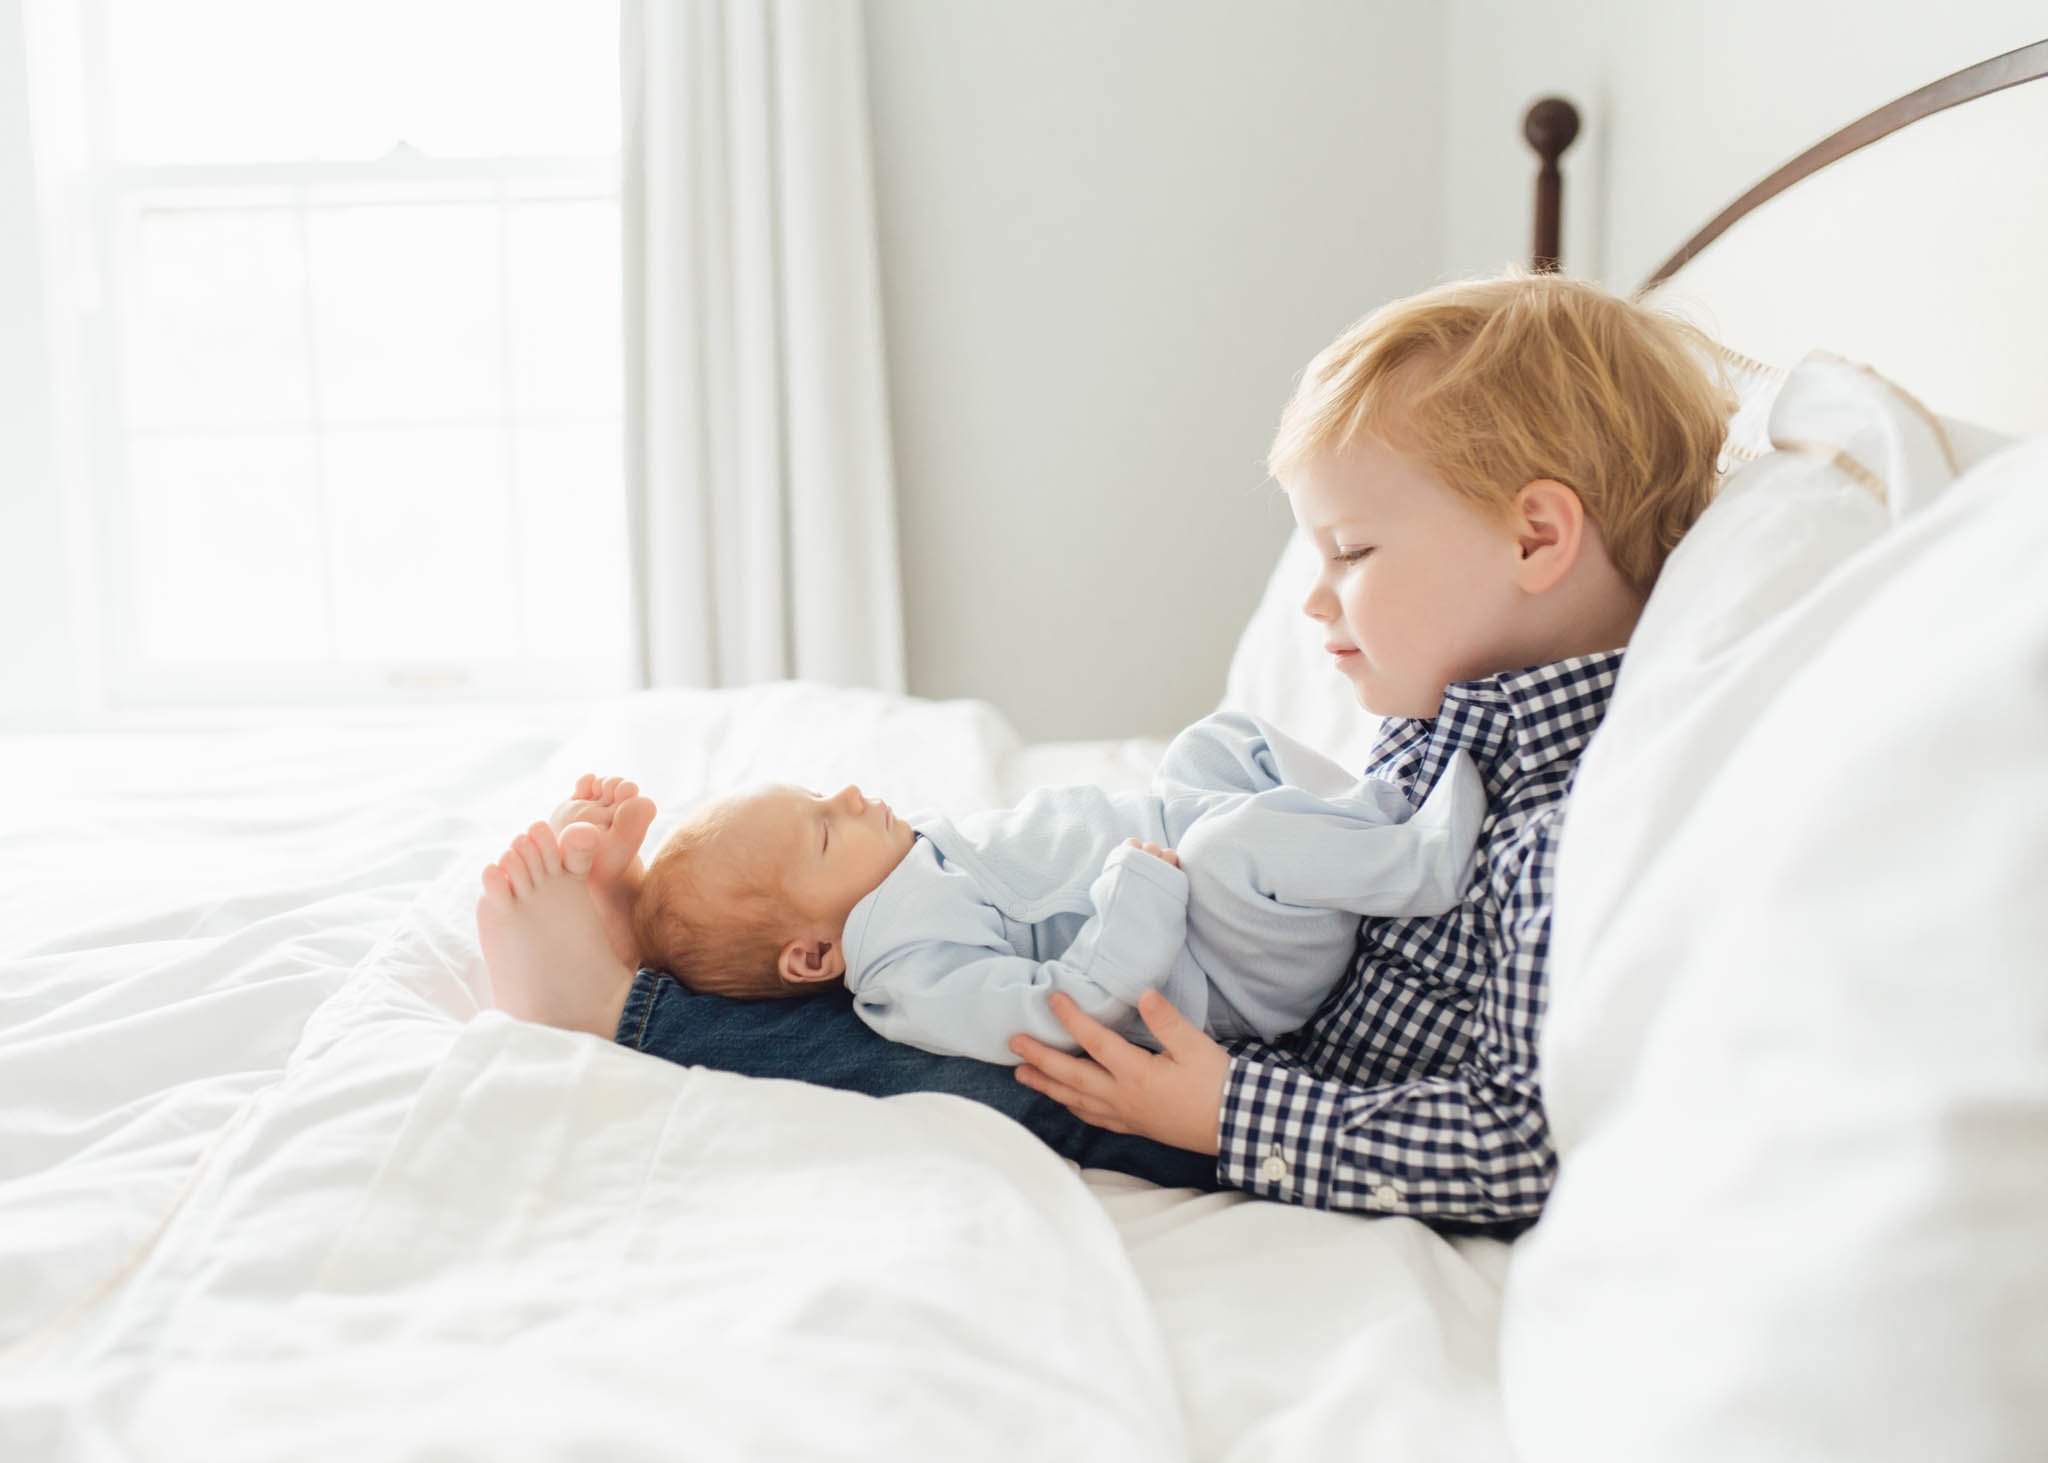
(850, 796)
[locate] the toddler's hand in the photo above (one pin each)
(1155, 850)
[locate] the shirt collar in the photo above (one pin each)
(1511, 724)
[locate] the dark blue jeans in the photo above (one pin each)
(820, 1039)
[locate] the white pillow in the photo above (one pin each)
(1281, 672)
(1796, 1051)
(1757, 383)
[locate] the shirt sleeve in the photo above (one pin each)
(1470, 1145)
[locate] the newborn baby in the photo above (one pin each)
(1233, 887)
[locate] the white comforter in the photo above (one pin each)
(275, 1182)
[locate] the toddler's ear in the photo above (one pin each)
(804, 961)
(1549, 527)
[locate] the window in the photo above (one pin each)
(355, 344)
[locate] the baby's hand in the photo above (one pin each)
(1155, 850)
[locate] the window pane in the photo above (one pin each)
(565, 285)
(418, 524)
(407, 311)
(572, 529)
(227, 549)
(218, 332)
(340, 79)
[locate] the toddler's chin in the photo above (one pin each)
(1365, 700)
(1388, 704)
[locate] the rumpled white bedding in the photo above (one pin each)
(274, 1182)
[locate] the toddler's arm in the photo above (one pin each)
(968, 999)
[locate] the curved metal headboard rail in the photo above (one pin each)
(2027, 63)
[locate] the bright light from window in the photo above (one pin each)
(238, 81)
(366, 266)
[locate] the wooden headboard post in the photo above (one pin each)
(1551, 126)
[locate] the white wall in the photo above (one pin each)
(1111, 236)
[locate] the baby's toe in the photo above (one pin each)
(544, 843)
(633, 818)
(513, 867)
(579, 843)
(497, 888)
(529, 862)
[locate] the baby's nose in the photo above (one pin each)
(851, 796)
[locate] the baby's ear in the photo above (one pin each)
(803, 962)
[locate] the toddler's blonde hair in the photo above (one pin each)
(1496, 382)
(713, 916)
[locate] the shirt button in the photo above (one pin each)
(1274, 1169)
(1386, 1196)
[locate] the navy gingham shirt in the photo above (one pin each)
(1413, 1089)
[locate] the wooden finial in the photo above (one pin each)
(1551, 126)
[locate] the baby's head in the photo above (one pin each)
(1493, 472)
(749, 897)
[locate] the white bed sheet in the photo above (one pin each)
(273, 1181)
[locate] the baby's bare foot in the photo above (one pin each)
(594, 799)
(612, 807)
(546, 948)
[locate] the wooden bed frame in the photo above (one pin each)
(1552, 124)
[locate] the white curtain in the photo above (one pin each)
(758, 455)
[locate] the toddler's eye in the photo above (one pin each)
(1350, 556)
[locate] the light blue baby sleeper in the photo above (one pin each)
(1281, 851)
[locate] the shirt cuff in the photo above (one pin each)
(1284, 1135)
(1278, 1134)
